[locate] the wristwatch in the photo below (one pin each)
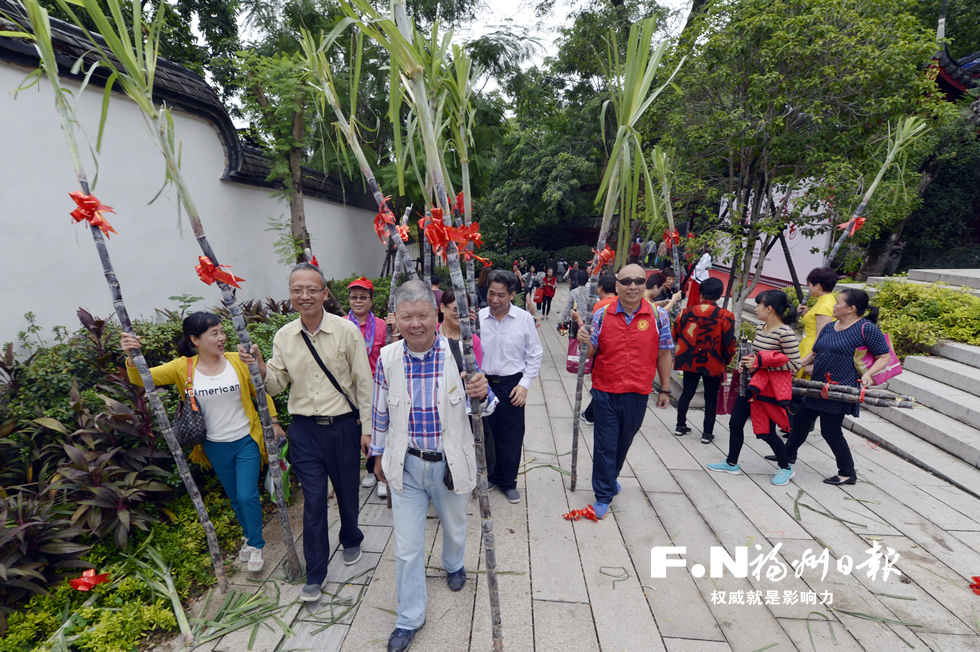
(667, 392)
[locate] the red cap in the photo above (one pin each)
(362, 283)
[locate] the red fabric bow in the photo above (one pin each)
(209, 273)
(976, 584)
(88, 580)
(382, 219)
(313, 261)
(470, 233)
(826, 387)
(460, 203)
(672, 240)
(403, 232)
(576, 514)
(854, 223)
(91, 209)
(605, 257)
(437, 234)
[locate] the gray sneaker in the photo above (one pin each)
(513, 496)
(310, 593)
(352, 555)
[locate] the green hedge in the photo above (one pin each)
(917, 316)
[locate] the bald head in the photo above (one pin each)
(630, 285)
(632, 271)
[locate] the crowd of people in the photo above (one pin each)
(407, 406)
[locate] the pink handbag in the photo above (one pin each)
(863, 360)
(571, 365)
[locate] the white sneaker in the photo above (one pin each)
(382, 490)
(246, 552)
(369, 481)
(255, 561)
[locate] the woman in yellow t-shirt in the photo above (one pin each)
(821, 282)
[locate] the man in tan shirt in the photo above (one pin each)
(329, 428)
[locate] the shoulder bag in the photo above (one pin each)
(188, 423)
(863, 360)
(333, 381)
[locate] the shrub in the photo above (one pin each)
(581, 253)
(917, 315)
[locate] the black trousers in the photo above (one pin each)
(317, 453)
(736, 426)
(711, 386)
(545, 305)
(507, 424)
(831, 427)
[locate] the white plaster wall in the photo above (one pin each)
(48, 263)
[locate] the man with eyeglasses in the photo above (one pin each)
(631, 342)
(331, 416)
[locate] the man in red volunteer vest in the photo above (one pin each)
(631, 342)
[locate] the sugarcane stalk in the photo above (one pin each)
(906, 132)
(847, 389)
(434, 165)
(744, 349)
(846, 397)
(41, 26)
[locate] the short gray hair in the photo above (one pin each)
(308, 267)
(413, 292)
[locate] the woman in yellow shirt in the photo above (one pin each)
(821, 282)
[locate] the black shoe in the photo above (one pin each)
(456, 580)
(835, 479)
(772, 458)
(680, 431)
(707, 438)
(401, 639)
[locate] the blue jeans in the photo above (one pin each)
(236, 463)
(421, 482)
(618, 417)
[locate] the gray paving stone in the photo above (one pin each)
(563, 626)
(694, 645)
(800, 631)
(312, 636)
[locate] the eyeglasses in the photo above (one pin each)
(631, 281)
(298, 292)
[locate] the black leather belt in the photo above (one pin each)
(329, 421)
(503, 380)
(426, 456)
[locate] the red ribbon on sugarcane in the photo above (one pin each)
(402, 232)
(88, 581)
(605, 256)
(826, 387)
(440, 236)
(863, 390)
(209, 273)
(851, 225)
(91, 209)
(672, 240)
(976, 584)
(576, 514)
(313, 262)
(382, 219)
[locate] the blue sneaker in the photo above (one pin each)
(600, 509)
(724, 467)
(782, 476)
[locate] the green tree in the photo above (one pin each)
(783, 96)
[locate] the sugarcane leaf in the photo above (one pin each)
(106, 95)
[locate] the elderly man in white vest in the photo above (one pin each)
(421, 430)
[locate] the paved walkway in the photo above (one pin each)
(587, 586)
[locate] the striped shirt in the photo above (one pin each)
(782, 339)
(422, 376)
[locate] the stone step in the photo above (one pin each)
(943, 432)
(949, 372)
(954, 403)
(965, 353)
(916, 450)
(969, 278)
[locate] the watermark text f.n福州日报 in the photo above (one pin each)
(720, 563)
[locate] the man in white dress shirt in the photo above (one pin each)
(511, 361)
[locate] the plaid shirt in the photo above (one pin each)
(422, 376)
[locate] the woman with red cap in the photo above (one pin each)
(373, 330)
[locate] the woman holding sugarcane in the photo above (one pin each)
(833, 362)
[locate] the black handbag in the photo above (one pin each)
(188, 422)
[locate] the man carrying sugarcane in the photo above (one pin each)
(324, 358)
(631, 342)
(421, 431)
(512, 355)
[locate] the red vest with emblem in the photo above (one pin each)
(626, 361)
